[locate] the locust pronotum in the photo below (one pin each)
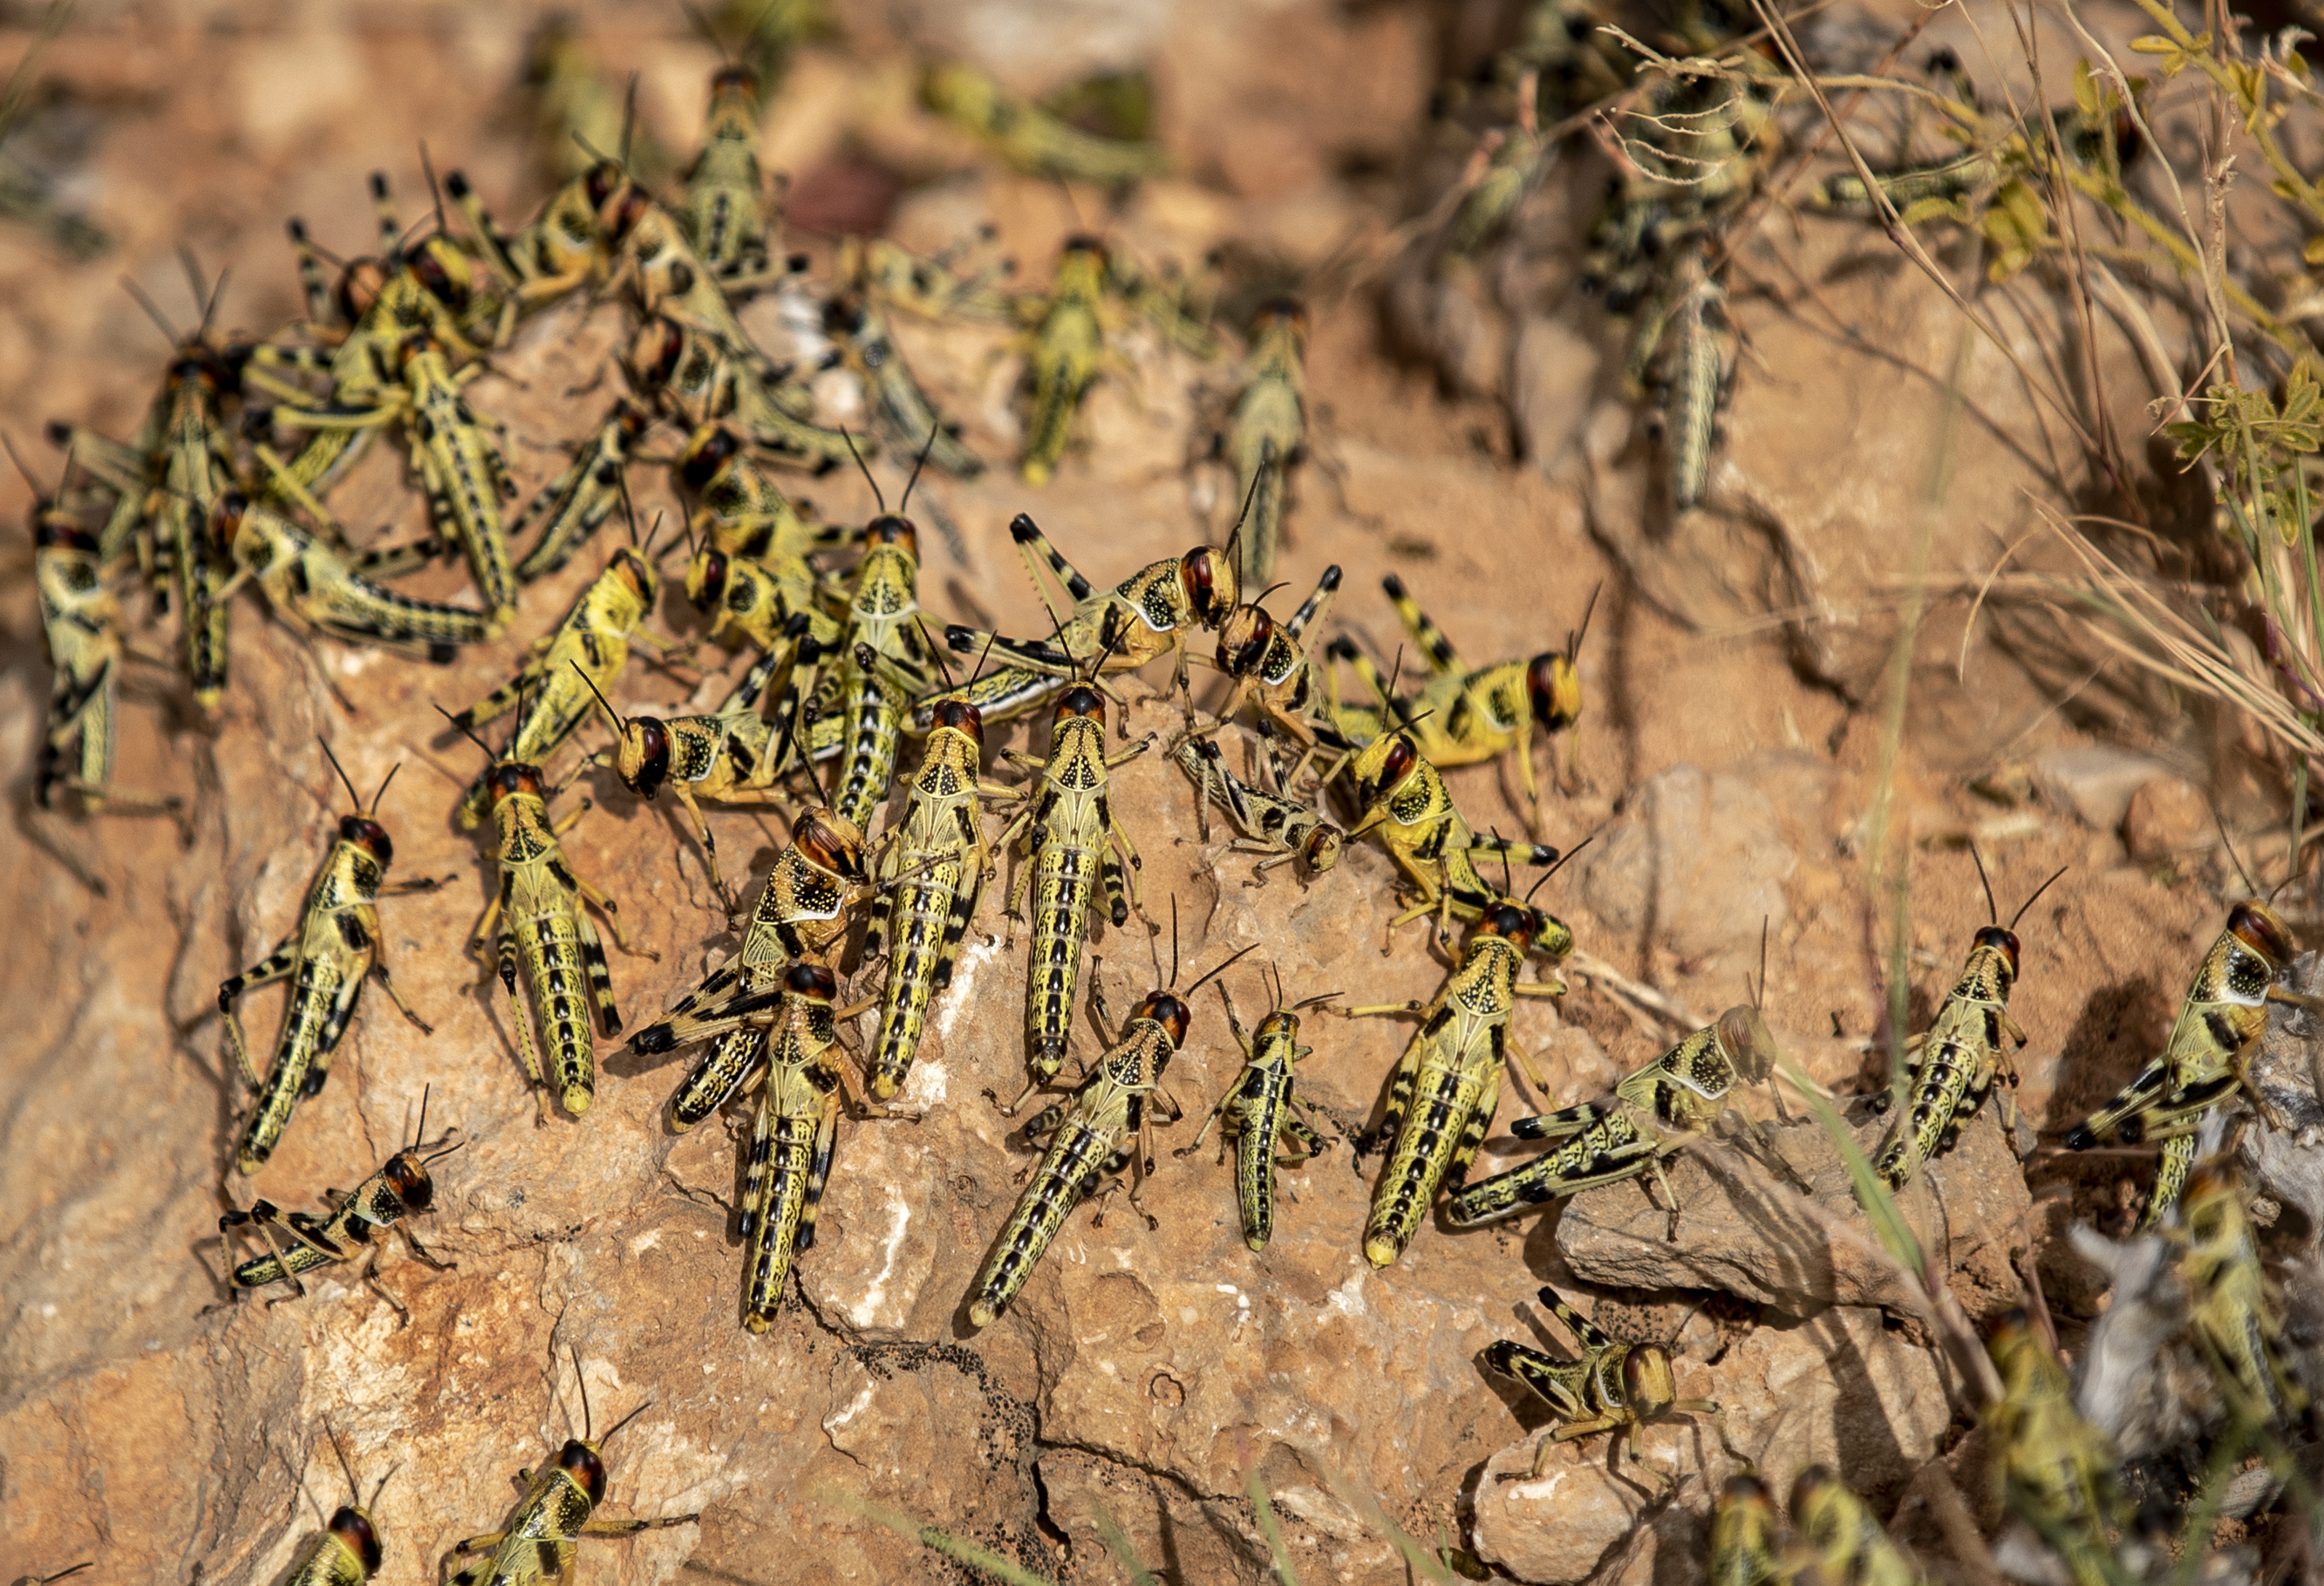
(558, 1507)
(1954, 1063)
(401, 1188)
(1102, 1129)
(1257, 1107)
(539, 909)
(335, 948)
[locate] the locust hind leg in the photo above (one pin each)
(522, 1017)
(274, 966)
(1443, 659)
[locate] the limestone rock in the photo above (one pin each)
(1843, 1389)
(2166, 815)
(1695, 857)
(2094, 781)
(1745, 1231)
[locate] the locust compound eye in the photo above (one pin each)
(653, 755)
(1211, 587)
(705, 580)
(2262, 930)
(1396, 765)
(579, 1460)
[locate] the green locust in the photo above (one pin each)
(1102, 1130)
(1614, 1387)
(1507, 164)
(1066, 350)
(1840, 1539)
(1404, 801)
(1067, 820)
(568, 245)
(80, 620)
(538, 921)
(327, 960)
(1743, 1541)
(572, 507)
(2054, 1470)
(1690, 339)
(2202, 1065)
(791, 1140)
(903, 411)
(1028, 137)
(1270, 673)
(540, 1536)
(2238, 1312)
(1953, 1065)
(592, 640)
(401, 1189)
(1146, 616)
(1258, 1110)
(1266, 433)
(1264, 823)
(1463, 715)
(1442, 1096)
(928, 289)
(314, 587)
(1655, 1111)
(802, 915)
(724, 208)
(936, 860)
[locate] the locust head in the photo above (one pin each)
(583, 1462)
(1554, 688)
(811, 981)
(1170, 1011)
(889, 528)
(642, 761)
(369, 836)
(1082, 702)
(830, 842)
(1243, 640)
(1649, 1386)
(1749, 1044)
(639, 573)
(1383, 766)
(960, 717)
(1207, 576)
(1321, 851)
(354, 1530)
(706, 579)
(2262, 930)
(707, 452)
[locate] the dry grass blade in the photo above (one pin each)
(1117, 1543)
(938, 1540)
(1273, 1532)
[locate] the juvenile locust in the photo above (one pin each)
(1103, 1129)
(936, 861)
(791, 1140)
(313, 586)
(2055, 1470)
(1465, 715)
(1744, 1546)
(2238, 1312)
(1404, 800)
(802, 915)
(1841, 1537)
(538, 920)
(1258, 1110)
(327, 960)
(724, 208)
(1264, 823)
(1067, 351)
(299, 1243)
(1655, 1111)
(2200, 1067)
(1071, 837)
(1613, 1387)
(1146, 616)
(538, 1541)
(1953, 1065)
(585, 651)
(1270, 671)
(1266, 433)
(904, 412)
(1028, 137)
(572, 507)
(885, 661)
(350, 1552)
(1442, 1096)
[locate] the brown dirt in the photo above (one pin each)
(1150, 1370)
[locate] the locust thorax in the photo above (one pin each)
(2262, 930)
(1553, 688)
(352, 1527)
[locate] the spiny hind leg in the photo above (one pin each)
(1441, 656)
(274, 966)
(612, 913)
(521, 1018)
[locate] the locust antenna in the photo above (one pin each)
(981, 656)
(353, 796)
(1559, 864)
(1759, 997)
(193, 269)
(421, 1132)
(2228, 843)
(2037, 892)
(17, 458)
(619, 724)
(1992, 914)
(1573, 640)
(933, 429)
(464, 732)
(435, 190)
(1234, 535)
(1220, 970)
(1682, 1320)
(1508, 881)
(628, 118)
(217, 296)
(624, 1421)
(1278, 973)
(355, 1487)
(874, 484)
(579, 1376)
(1314, 1001)
(936, 650)
(152, 312)
(653, 531)
(383, 786)
(1174, 941)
